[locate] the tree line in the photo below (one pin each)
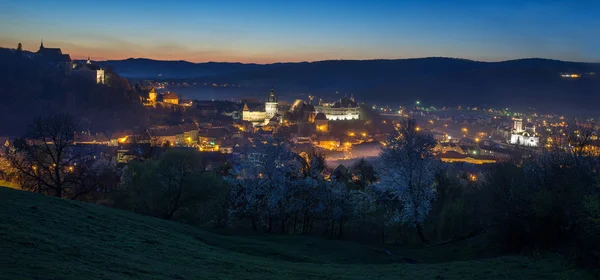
(549, 201)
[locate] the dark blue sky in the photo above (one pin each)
(267, 31)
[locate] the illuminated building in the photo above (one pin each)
(271, 105)
(452, 157)
(345, 109)
(152, 95)
(172, 135)
(190, 133)
(90, 71)
(259, 117)
(120, 137)
(255, 117)
(570, 75)
(321, 122)
(524, 137)
(171, 98)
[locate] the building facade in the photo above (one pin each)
(344, 109)
(260, 117)
(271, 105)
(524, 137)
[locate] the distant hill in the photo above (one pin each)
(437, 81)
(51, 238)
(32, 86)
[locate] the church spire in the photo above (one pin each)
(42, 44)
(89, 61)
(272, 96)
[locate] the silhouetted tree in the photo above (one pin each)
(46, 158)
(407, 171)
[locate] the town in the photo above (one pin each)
(368, 182)
(343, 130)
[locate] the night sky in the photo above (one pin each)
(269, 31)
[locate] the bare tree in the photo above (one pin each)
(408, 173)
(579, 136)
(46, 159)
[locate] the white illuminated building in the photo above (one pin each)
(345, 109)
(524, 137)
(261, 117)
(271, 105)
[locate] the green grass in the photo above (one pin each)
(48, 238)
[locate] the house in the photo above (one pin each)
(173, 136)
(171, 98)
(119, 137)
(190, 133)
(327, 142)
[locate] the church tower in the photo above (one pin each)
(152, 95)
(271, 105)
(518, 125)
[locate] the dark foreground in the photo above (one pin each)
(48, 238)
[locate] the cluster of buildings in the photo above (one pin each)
(227, 132)
(56, 57)
(167, 99)
(259, 116)
(344, 109)
(524, 137)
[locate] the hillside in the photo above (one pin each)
(436, 81)
(33, 86)
(46, 237)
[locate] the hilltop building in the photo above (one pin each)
(152, 96)
(345, 109)
(171, 98)
(524, 137)
(55, 56)
(91, 71)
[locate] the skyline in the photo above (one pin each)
(273, 31)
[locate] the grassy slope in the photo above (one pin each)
(45, 237)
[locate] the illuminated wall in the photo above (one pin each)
(100, 78)
(335, 114)
(270, 109)
(524, 140)
(254, 116)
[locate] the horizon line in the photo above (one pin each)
(327, 60)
